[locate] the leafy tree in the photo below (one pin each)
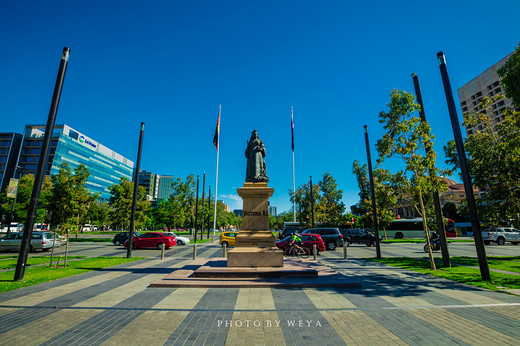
(329, 207)
(70, 197)
(386, 188)
(121, 204)
(23, 199)
(302, 198)
(99, 214)
(361, 173)
(408, 138)
(494, 159)
(510, 74)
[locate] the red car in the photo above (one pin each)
(307, 241)
(152, 240)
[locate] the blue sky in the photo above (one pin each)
(171, 63)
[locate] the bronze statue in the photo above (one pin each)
(255, 153)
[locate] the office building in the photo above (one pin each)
(272, 210)
(106, 167)
(485, 84)
(165, 187)
(150, 182)
(9, 149)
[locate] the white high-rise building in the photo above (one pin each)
(485, 84)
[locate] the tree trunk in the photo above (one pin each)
(426, 233)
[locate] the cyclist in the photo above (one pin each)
(295, 241)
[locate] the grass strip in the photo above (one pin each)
(507, 263)
(470, 276)
(31, 261)
(38, 275)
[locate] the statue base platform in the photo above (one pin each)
(253, 257)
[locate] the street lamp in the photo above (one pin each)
(22, 171)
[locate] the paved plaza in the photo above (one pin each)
(116, 306)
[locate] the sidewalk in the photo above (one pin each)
(116, 306)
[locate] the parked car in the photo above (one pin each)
(308, 240)
(500, 235)
(120, 238)
(180, 240)
(289, 231)
(331, 236)
(152, 240)
(39, 241)
(358, 236)
(228, 238)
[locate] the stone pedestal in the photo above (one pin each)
(255, 245)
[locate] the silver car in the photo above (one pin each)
(40, 240)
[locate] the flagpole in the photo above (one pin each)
(216, 178)
(293, 182)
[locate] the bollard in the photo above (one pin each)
(162, 251)
(314, 251)
(224, 251)
(195, 251)
(344, 252)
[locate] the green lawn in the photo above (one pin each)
(10, 262)
(37, 275)
(465, 275)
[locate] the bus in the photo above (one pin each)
(413, 228)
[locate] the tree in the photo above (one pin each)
(23, 199)
(302, 198)
(408, 138)
(121, 203)
(386, 189)
(510, 74)
(99, 214)
(494, 160)
(329, 207)
(70, 197)
(361, 173)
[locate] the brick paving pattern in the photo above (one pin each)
(115, 306)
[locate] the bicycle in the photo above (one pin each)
(297, 251)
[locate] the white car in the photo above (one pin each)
(180, 240)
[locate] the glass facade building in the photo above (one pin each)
(165, 187)
(9, 149)
(106, 167)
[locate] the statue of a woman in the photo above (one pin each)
(255, 153)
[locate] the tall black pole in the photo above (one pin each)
(468, 186)
(196, 211)
(209, 210)
(312, 205)
(202, 205)
(40, 171)
(372, 194)
(433, 175)
(134, 198)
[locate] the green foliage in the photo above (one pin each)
(329, 207)
(24, 197)
(70, 199)
(494, 155)
(510, 74)
(121, 204)
(99, 213)
(409, 138)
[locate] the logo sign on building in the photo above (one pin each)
(12, 188)
(87, 141)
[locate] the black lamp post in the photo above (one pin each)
(466, 178)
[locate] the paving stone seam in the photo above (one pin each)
(426, 307)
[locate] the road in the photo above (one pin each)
(354, 251)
